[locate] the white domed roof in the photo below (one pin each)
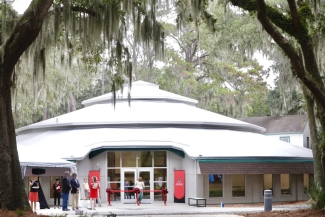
(156, 109)
(141, 90)
(155, 120)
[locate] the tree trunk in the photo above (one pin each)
(10, 176)
(72, 103)
(23, 35)
(318, 168)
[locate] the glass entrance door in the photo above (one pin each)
(147, 177)
(128, 178)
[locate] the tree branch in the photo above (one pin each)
(83, 10)
(306, 43)
(289, 50)
(197, 61)
(179, 43)
(280, 20)
(24, 33)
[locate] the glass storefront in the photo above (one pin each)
(125, 167)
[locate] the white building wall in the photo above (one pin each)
(174, 163)
(199, 181)
(306, 134)
(190, 167)
(100, 163)
(296, 139)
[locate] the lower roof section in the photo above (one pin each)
(289, 167)
(196, 143)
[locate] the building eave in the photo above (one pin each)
(138, 124)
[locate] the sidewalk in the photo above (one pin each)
(172, 209)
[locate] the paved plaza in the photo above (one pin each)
(172, 209)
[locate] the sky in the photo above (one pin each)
(22, 5)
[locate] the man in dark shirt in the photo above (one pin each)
(66, 187)
(75, 187)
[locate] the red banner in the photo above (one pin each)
(93, 173)
(179, 186)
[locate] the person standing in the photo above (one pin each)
(94, 186)
(86, 188)
(126, 187)
(33, 193)
(66, 187)
(99, 200)
(57, 192)
(139, 184)
(75, 187)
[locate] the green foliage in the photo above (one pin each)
(21, 212)
(317, 194)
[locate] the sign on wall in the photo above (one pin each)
(93, 173)
(179, 186)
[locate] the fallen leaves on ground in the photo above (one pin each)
(294, 213)
(17, 214)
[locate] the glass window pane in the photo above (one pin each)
(159, 186)
(285, 184)
(160, 175)
(113, 159)
(113, 175)
(238, 185)
(129, 158)
(306, 183)
(160, 158)
(145, 159)
(215, 185)
(146, 180)
(268, 182)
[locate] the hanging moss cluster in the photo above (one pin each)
(74, 38)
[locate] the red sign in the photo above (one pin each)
(93, 173)
(179, 186)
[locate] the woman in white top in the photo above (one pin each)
(139, 184)
(86, 189)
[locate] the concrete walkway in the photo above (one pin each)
(172, 209)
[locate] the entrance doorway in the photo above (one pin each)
(129, 177)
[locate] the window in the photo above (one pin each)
(308, 142)
(157, 195)
(160, 159)
(308, 182)
(145, 159)
(285, 138)
(113, 159)
(215, 185)
(285, 184)
(113, 178)
(129, 158)
(268, 182)
(238, 185)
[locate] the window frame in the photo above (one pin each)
(222, 186)
(272, 179)
(290, 193)
(285, 137)
(245, 187)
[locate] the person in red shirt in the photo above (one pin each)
(94, 186)
(57, 192)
